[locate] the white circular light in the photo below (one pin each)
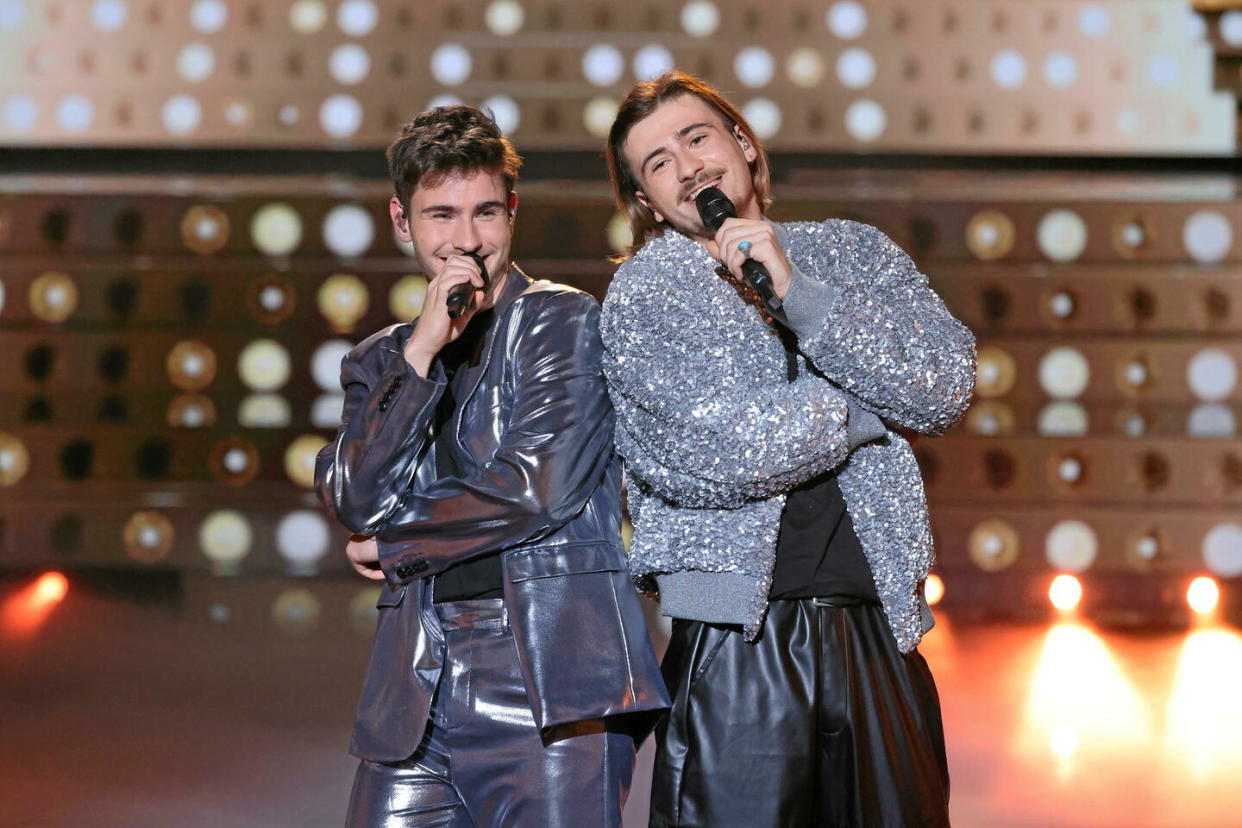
(1060, 70)
(855, 68)
(1064, 373)
(235, 461)
(276, 229)
(865, 120)
(302, 538)
(20, 113)
(764, 117)
(405, 299)
(326, 410)
(754, 66)
(1163, 70)
(1196, 26)
(1071, 546)
(620, 236)
(1222, 550)
(700, 18)
(289, 114)
(1230, 24)
(450, 64)
(196, 62)
(1070, 470)
(225, 538)
(75, 113)
(1207, 236)
(308, 16)
(1212, 374)
(264, 365)
(181, 114)
(1135, 373)
(208, 16)
(602, 64)
(1147, 547)
(1062, 235)
(109, 15)
(805, 67)
(357, 17)
(340, 115)
(1133, 234)
(11, 14)
(1063, 419)
(1008, 69)
(348, 230)
(1061, 304)
(504, 111)
(847, 19)
(326, 363)
(1211, 421)
(651, 61)
(349, 63)
(1094, 20)
(598, 114)
(504, 17)
(264, 411)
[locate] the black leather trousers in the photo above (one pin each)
(483, 762)
(822, 722)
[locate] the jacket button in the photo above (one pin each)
(404, 571)
(420, 566)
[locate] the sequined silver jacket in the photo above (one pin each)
(714, 434)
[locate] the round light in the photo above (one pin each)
(264, 365)
(1094, 20)
(363, 610)
(53, 296)
(205, 229)
(191, 411)
(990, 418)
(225, 538)
(349, 63)
(348, 230)
(504, 17)
(933, 589)
(1207, 236)
(990, 235)
(504, 111)
(450, 64)
(993, 545)
(264, 411)
(357, 17)
(326, 410)
(805, 67)
(847, 19)
(1071, 545)
(343, 300)
(288, 115)
(1230, 24)
(302, 538)
(1196, 26)
(109, 15)
(1064, 373)
(1127, 122)
(1135, 373)
(619, 234)
(598, 115)
(308, 16)
(181, 114)
(1211, 421)
(764, 117)
(602, 64)
(651, 61)
(296, 612)
(1069, 470)
(1222, 550)
(754, 66)
(1212, 374)
(405, 300)
(1061, 304)
(855, 68)
(148, 537)
(1065, 592)
(1163, 70)
(276, 229)
(1133, 423)
(191, 365)
(1062, 419)
(340, 115)
(208, 16)
(700, 18)
(1062, 235)
(1060, 70)
(326, 363)
(11, 14)
(196, 62)
(1008, 69)
(20, 113)
(14, 459)
(1203, 595)
(865, 120)
(74, 113)
(300, 459)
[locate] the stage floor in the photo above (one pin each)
(207, 712)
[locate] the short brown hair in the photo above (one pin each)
(449, 140)
(641, 102)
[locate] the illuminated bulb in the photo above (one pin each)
(1203, 595)
(1061, 304)
(405, 300)
(933, 589)
(1070, 470)
(1136, 373)
(1147, 547)
(51, 587)
(1065, 592)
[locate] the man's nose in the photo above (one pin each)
(466, 237)
(688, 166)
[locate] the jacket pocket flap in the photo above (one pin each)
(390, 597)
(549, 561)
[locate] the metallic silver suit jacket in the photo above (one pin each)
(714, 434)
(542, 488)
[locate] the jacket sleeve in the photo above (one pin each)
(879, 331)
(701, 436)
(362, 475)
(553, 453)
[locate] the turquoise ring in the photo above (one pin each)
(744, 247)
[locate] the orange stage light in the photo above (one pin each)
(27, 610)
(1065, 592)
(1203, 595)
(933, 590)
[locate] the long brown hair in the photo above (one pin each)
(643, 99)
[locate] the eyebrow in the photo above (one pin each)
(681, 133)
(449, 208)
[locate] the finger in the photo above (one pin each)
(372, 573)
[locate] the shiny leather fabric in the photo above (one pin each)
(821, 722)
(542, 487)
(482, 761)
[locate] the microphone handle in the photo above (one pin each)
(459, 297)
(757, 276)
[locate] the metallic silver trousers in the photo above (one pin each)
(483, 762)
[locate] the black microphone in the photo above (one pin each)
(714, 207)
(459, 297)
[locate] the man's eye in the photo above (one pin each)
(490, 213)
(698, 139)
(655, 167)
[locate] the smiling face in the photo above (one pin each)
(462, 213)
(682, 147)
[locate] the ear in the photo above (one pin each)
(400, 221)
(642, 199)
(748, 150)
(513, 203)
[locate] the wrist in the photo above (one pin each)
(418, 357)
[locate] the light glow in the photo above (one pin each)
(1203, 595)
(1065, 592)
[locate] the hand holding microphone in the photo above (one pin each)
(741, 240)
(447, 307)
(459, 297)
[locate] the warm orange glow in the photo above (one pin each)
(1065, 592)
(26, 610)
(1204, 721)
(1203, 595)
(933, 590)
(51, 588)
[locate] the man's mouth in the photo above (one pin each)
(710, 183)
